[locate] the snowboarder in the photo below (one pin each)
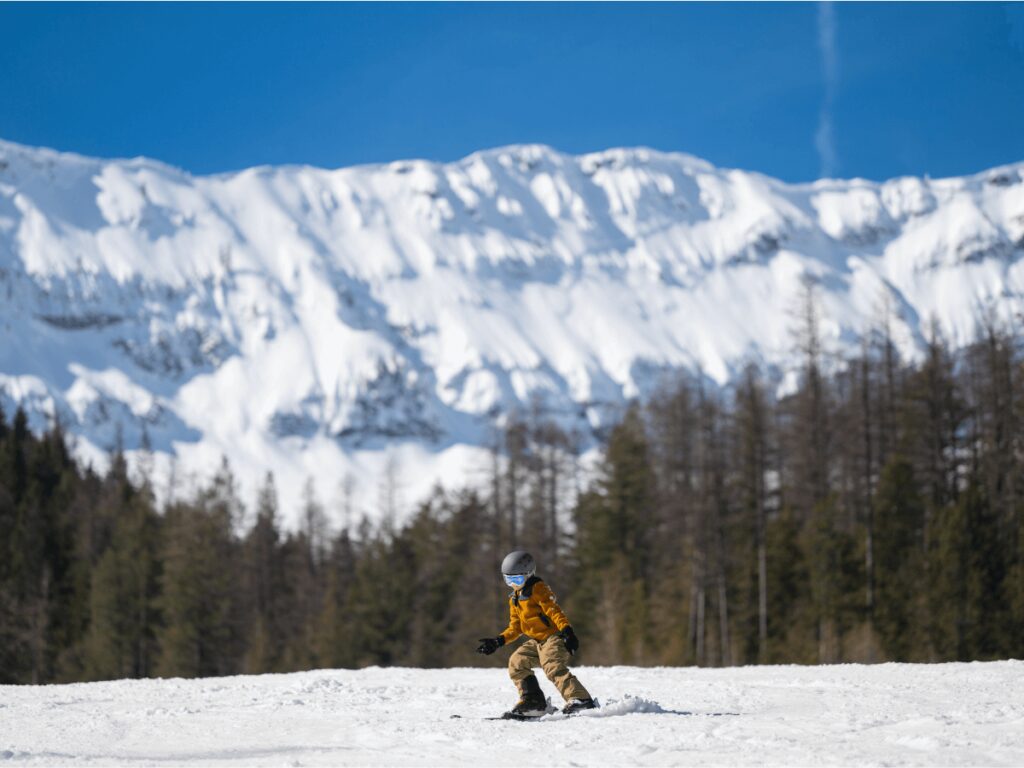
(533, 612)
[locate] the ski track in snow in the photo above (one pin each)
(891, 714)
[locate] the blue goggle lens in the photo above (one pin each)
(515, 580)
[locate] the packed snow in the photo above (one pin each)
(891, 714)
(347, 324)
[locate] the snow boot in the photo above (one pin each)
(532, 702)
(578, 705)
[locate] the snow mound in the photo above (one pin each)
(628, 705)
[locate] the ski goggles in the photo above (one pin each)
(515, 579)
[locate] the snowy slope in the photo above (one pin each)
(373, 319)
(892, 714)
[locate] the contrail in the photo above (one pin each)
(823, 137)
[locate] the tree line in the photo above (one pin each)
(872, 511)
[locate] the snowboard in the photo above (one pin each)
(547, 716)
(519, 718)
(508, 716)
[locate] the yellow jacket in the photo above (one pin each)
(534, 612)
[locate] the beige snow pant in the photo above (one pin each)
(553, 658)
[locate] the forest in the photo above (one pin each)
(871, 511)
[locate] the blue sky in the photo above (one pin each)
(793, 90)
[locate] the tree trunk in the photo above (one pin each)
(700, 626)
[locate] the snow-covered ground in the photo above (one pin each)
(891, 714)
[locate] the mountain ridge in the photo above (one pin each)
(335, 323)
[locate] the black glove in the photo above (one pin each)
(489, 645)
(572, 644)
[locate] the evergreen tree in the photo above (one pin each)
(124, 617)
(380, 602)
(334, 635)
(614, 545)
(791, 620)
(834, 579)
(202, 633)
(955, 591)
(264, 582)
(752, 443)
(900, 521)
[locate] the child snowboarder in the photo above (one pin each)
(533, 612)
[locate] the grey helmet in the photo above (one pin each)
(517, 567)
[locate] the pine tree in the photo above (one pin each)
(791, 623)
(834, 579)
(264, 584)
(955, 591)
(1013, 588)
(752, 441)
(202, 633)
(124, 593)
(808, 446)
(302, 556)
(900, 521)
(334, 635)
(614, 526)
(381, 601)
(673, 452)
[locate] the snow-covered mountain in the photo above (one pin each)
(379, 320)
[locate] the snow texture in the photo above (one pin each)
(891, 714)
(379, 320)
